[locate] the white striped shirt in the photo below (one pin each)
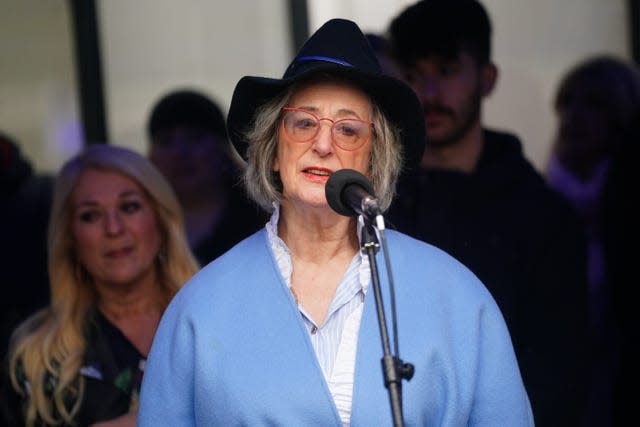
(336, 340)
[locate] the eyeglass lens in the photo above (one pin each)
(303, 126)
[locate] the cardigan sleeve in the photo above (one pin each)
(500, 397)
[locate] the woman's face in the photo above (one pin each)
(115, 229)
(305, 167)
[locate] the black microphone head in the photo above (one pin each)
(336, 184)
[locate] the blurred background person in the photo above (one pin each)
(25, 202)
(479, 198)
(189, 145)
(597, 104)
(117, 255)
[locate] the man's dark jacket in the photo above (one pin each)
(528, 247)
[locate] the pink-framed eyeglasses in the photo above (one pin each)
(302, 126)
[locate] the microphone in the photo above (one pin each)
(350, 193)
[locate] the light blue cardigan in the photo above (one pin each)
(231, 349)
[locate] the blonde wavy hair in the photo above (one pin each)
(51, 343)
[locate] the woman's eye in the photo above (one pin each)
(131, 207)
(89, 216)
(305, 123)
(347, 129)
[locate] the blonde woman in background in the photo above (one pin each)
(117, 256)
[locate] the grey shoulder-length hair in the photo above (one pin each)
(263, 184)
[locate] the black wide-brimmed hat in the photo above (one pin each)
(338, 46)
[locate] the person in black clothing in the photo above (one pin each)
(597, 104)
(25, 201)
(477, 197)
(188, 143)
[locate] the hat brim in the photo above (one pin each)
(396, 100)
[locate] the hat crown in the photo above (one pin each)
(338, 42)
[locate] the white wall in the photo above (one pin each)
(38, 104)
(534, 43)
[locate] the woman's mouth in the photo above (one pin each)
(317, 174)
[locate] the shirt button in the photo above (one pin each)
(314, 329)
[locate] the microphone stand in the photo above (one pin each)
(394, 370)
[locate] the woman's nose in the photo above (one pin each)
(323, 141)
(113, 223)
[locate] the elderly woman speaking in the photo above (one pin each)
(282, 329)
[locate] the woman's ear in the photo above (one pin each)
(489, 77)
(275, 166)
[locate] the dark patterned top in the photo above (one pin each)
(112, 372)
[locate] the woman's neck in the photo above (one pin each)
(318, 235)
(124, 301)
(322, 246)
(135, 314)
